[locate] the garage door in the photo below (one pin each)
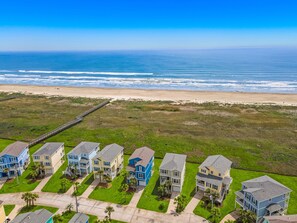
(141, 183)
(176, 189)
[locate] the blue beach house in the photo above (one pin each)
(80, 158)
(140, 165)
(263, 196)
(14, 159)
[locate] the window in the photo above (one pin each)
(37, 157)
(164, 171)
(220, 174)
(175, 181)
(96, 162)
(141, 175)
(211, 172)
(208, 184)
(176, 173)
(215, 187)
(106, 163)
(96, 168)
(203, 171)
(47, 157)
(47, 164)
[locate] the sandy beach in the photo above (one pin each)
(156, 95)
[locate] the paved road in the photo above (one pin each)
(93, 207)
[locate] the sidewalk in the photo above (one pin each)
(171, 206)
(14, 212)
(42, 183)
(90, 189)
(194, 202)
(136, 197)
(71, 189)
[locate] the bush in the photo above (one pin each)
(161, 206)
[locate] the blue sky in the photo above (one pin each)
(162, 24)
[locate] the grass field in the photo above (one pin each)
(243, 175)
(254, 137)
(24, 182)
(37, 207)
(8, 208)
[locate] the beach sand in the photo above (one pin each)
(156, 95)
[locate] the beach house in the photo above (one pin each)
(263, 196)
(280, 219)
(109, 161)
(39, 216)
(172, 169)
(140, 165)
(79, 218)
(214, 175)
(80, 158)
(50, 157)
(14, 159)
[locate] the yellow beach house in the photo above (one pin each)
(109, 161)
(214, 174)
(50, 156)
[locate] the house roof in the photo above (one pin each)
(110, 152)
(79, 218)
(39, 216)
(48, 149)
(282, 219)
(219, 162)
(14, 149)
(84, 147)
(265, 188)
(173, 161)
(144, 153)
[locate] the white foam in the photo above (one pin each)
(84, 72)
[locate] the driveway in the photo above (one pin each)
(90, 188)
(93, 207)
(42, 183)
(194, 202)
(171, 206)
(136, 197)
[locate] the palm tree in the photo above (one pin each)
(26, 197)
(108, 211)
(106, 178)
(180, 202)
(246, 216)
(6, 170)
(215, 214)
(64, 183)
(33, 197)
(76, 186)
(133, 183)
(33, 174)
(69, 207)
(58, 218)
(162, 190)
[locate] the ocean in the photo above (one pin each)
(235, 70)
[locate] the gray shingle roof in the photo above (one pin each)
(265, 188)
(14, 149)
(173, 161)
(79, 218)
(282, 219)
(48, 148)
(110, 152)
(144, 153)
(84, 147)
(219, 162)
(39, 216)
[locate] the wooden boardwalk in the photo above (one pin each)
(67, 125)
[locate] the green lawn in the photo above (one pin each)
(85, 184)
(37, 207)
(4, 143)
(8, 208)
(24, 182)
(243, 175)
(150, 199)
(66, 216)
(190, 181)
(92, 218)
(112, 194)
